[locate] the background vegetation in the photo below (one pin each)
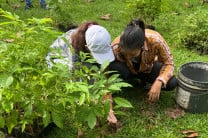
(182, 23)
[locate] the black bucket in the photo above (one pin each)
(192, 91)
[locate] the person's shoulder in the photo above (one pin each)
(152, 33)
(71, 31)
(116, 40)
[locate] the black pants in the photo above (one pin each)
(127, 76)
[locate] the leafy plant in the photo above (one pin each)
(62, 19)
(25, 101)
(33, 95)
(148, 10)
(194, 30)
(142, 120)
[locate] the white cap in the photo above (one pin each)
(98, 42)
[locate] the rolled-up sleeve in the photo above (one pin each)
(166, 58)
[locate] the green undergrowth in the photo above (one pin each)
(143, 120)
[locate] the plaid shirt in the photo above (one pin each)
(61, 52)
(155, 48)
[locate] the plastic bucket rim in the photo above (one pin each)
(184, 78)
(181, 83)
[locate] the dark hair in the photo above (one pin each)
(78, 38)
(133, 35)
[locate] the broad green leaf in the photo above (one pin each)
(122, 84)
(121, 102)
(3, 47)
(24, 125)
(28, 110)
(83, 88)
(114, 88)
(7, 106)
(98, 111)
(6, 80)
(113, 78)
(9, 81)
(57, 119)
(117, 86)
(102, 92)
(82, 112)
(6, 23)
(46, 118)
(9, 15)
(91, 120)
(69, 86)
(1, 92)
(122, 113)
(107, 106)
(10, 126)
(104, 66)
(11, 121)
(82, 99)
(2, 122)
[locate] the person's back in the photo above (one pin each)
(60, 51)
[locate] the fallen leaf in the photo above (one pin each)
(187, 5)
(106, 17)
(16, 6)
(193, 135)
(190, 133)
(18, 35)
(9, 40)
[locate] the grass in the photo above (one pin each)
(144, 120)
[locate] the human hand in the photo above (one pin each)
(154, 92)
(111, 117)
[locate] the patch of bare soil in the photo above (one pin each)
(175, 112)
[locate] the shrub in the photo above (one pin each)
(25, 99)
(33, 95)
(148, 10)
(62, 19)
(193, 33)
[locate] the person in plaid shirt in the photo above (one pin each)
(144, 54)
